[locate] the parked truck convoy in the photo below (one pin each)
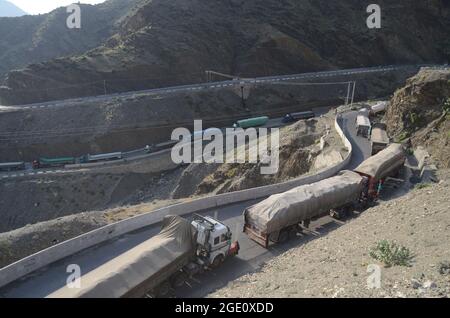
(281, 215)
(152, 269)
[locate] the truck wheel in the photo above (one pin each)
(335, 215)
(284, 236)
(274, 237)
(163, 290)
(218, 260)
(293, 232)
(179, 279)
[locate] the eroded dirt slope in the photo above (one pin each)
(420, 113)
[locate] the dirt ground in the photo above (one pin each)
(336, 265)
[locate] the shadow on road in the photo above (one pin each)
(235, 268)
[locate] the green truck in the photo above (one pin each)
(251, 122)
(53, 162)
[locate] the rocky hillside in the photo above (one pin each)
(420, 113)
(336, 264)
(167, 42)
(34, 39)
(299, 150)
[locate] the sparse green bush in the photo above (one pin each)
(421, 186)
(391, 254)
(444, 268)
(402, 137)
(414, 118)
(446, 106)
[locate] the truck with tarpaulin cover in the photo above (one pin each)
(363, 123)
(377, 168)
(379, 139)
(156, 266)
(281, 215)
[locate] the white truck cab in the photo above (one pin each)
(213, 240)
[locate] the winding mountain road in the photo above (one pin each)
(207, 86)
(49, 279)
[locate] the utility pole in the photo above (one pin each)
(353, 94)
(243, 99)
(104, 86)
(348, 93)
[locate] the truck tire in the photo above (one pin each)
(336, 214)
(163, 290)
(293, 232)
(274, 237)
(178, 279)
(218, 260)
(284, 236)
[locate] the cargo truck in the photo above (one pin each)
(251, 122)
(378, 138)
(362, 124)
(293, 117)
(53, 163)
(101, 157)
(12, 166)
(281, 215)
(386, 163)
(155, 267)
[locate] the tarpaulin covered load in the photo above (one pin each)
(362, 120)
(380, 107)
(145, 262)
(379, 135)
(383, 163)
(304, 202)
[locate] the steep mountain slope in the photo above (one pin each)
(32, 39)
(167, 42)
(420, 112)
(8, 9)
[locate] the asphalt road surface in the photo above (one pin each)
(207, 86)
(47, 280)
